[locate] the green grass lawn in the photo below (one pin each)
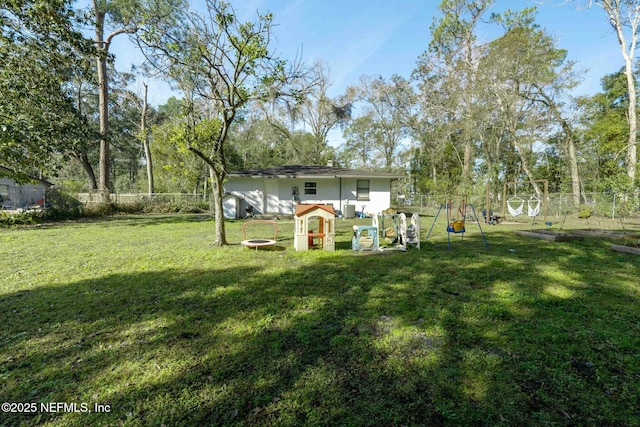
(144, 316)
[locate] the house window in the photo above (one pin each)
(362, 189)
(310, 187)
(4, 192)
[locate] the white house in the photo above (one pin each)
(14, 195)
(277, 190)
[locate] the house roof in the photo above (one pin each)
(298, 171)
(302, 208)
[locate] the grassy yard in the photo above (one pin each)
(145, 317)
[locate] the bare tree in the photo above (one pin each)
(624, 18)
(312, 109)
(389, 107)
(224, 64)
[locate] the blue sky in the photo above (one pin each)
(385, 37)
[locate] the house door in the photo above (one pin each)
(272, 199)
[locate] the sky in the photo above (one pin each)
(385, 37)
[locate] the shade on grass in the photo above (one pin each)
(145, 315)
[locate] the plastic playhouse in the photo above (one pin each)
(306, 237)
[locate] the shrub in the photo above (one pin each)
(19, 218)
(585, 213)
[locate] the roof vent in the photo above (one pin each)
(330, 163)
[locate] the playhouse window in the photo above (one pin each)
(310, 187)
(362, 189)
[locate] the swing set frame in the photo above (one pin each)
(458, 227)
(545, 196)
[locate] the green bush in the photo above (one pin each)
(62, 206)
(20, 218)
(62, 200)
(585, 213)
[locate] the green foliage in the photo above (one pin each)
(585, 213)
(177, 170)
(40, 53)
(457, 23)
(18, 219)
(58, 198)
(219, 64)
(255, 143)
(605, 134)
(377, 135)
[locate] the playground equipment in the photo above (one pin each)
(533, 206)
(365, 238)
(515, 205)
(467, 213)
(258, 243)
(398, 234)
(411, 232)
(304, 237)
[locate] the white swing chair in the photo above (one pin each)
(533, 206)
(515, 205)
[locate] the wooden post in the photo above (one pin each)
(504, 201)
(487, 205)
(546, 198)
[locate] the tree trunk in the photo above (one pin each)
(467, 163)
(216, 191)
(632, 148)
(86, 164)
(82, 155)
(147, 153)
(570, 146)
(145, 141)
(573, 169)
(524, 163)
(104, 184)
(620, 15)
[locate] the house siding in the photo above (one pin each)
(21, 196)
(274, 195)
(250, 192)
(379, 194)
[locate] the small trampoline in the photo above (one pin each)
(257, 243)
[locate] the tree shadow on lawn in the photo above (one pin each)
(416, 338)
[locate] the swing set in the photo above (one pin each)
(457, 224)
(515, 205)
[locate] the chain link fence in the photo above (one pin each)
(607, 210)
(604, 205)
(598, 210)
